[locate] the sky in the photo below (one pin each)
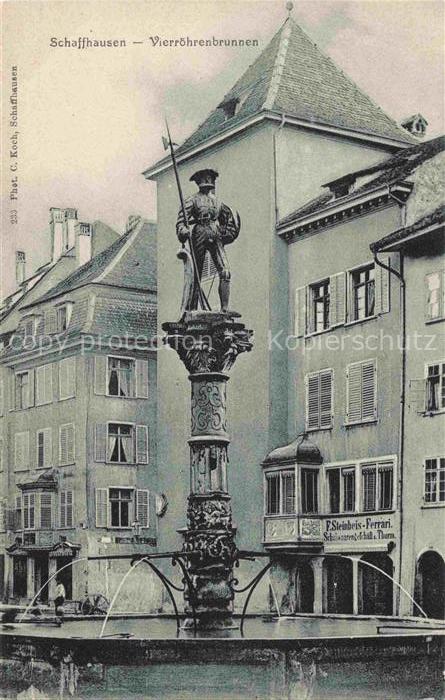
(90, 121)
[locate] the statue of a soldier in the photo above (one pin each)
(208, 225)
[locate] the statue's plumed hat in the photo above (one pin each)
(201, 175)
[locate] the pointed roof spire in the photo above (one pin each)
(289, 8)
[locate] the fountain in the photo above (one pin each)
(275, 657)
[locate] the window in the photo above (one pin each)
(319, 400)
(63, 314)
(30, 327)
(66, 444)
(24, 390)
(66, 516)
(29, 511)
(121, 510)
(361, 392)
(18, 513)
(319, 306)
(377, 486)
(363, 293)
(435, 480)
(44, 384)
(120, 443)
(46, 510)
(280, 493)
(121, 377)
(435, 387)
(21, 450)
(44, 448)
(309, 491)
(67, 378)
(435, 295)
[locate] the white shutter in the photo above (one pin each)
(142, 379)
(67, 378)
(18, 512)
(312, 402)
(100, 374)
(326, 399)
(142, 444)
(46, 516)
(382, 286)
(48, 381)
(369, 409)
(47, 447)
(300, 312)
(12, 382)
(337, 299)
(2, 398)
(31, 385)
(66, 509)
(417, 395)
(66, 444)
(21, 450)
(100, 442)
(142, 507)
(354, 393)
(44, 385)
(101, 507)
(62, 509)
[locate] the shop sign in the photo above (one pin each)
(360, 528)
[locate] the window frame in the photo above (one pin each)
(73, 461)
(280, 472)
(441, 302)
(132, 509)
(350, 296)
(378, 466)
(133, 440)
(21, 467)
(67, 307)
(314, 469)
(441, 365)
(133, 381)
(312, 325)
(18, 374)
(437, 503)
(343, 470)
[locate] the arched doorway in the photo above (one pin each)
(375, 589)
(338, 585)
(304, 588)
(430, 585)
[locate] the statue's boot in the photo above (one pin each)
(224, 294)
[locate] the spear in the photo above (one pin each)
(169, 144)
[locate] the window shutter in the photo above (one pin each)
(66, 444)
(67, 378)
(2, 402)
(337, 300)
(47, 447)
(21, 450)
(2, 516)
(417, 395)
(31, 385)
(100, 442)
(325, 399)
(50, 321)
(100, 374)
(48, 380)
(12, 392)
(69, 509)
(46, 511)
(382, 286)
(142, 507)
(62, 509)
(310, 315)
(354, 393)
(40, 385)
(142, 444)
(369, 409)
(101, 507)
(300, 312)
(18, 518)
(142, 379)
(312, 402)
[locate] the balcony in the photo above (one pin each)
(293, 531)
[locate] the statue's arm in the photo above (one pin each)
(182, 230)
(229, 224)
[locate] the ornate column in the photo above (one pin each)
(208, 344)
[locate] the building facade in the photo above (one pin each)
(314, 431)
(79, 424)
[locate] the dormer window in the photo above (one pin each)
(230, 108)
(416, 125)
(63, 314)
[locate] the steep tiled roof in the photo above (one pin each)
(394, 169)
(435, 217)
(293, 76)
(132, 265)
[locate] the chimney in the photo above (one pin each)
(20, 267)
(83, 242)
(57, 225)
(70, 223)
